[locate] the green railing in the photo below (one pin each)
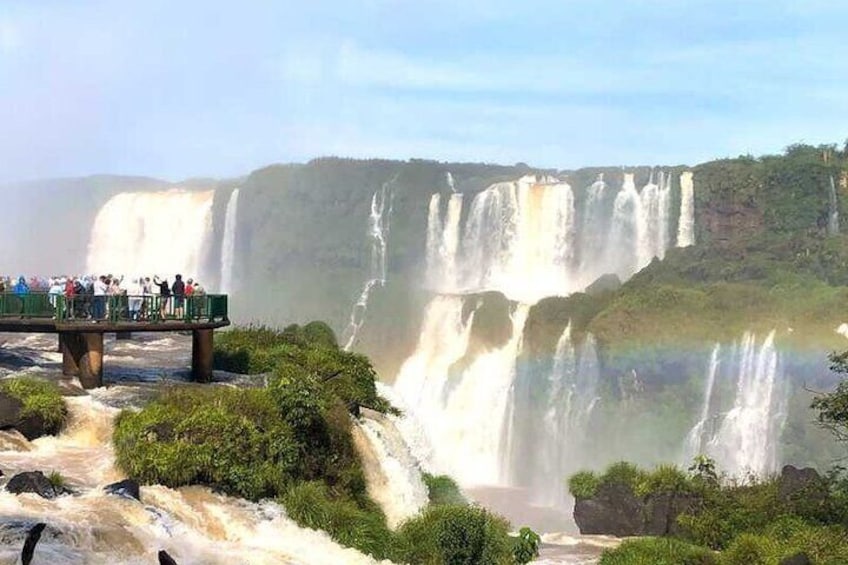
(117, 308)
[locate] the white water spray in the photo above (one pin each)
(833, 210)
(686, 224)
(139, 233)
(228, 243)
(695, 439)
(745, 437)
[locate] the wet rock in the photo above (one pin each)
(804, 491)
(35, 482)
(797, 559)
(614, 510)
(127, 488)
(31, 540)
(14, 531)
(31, 426)
(165, 559)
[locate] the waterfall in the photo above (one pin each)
(694, 443)
(686, 225)
(833, 210)
(745, 435)
(462, 411)
(193, 524)
(228, 243)
(378, 232)
(450, 181)
(527, 239)
(391, 472)
(148, 233)
(572, 395)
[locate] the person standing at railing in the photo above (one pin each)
(189, 292)
(179, 296)
(100, 291)
(69, 298)
(164, 295)
(134, 298)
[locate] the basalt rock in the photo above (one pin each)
(35, 482)
(797, 559)
(31, 540)
(804, 491)
(127, 488)
(165, 559)
(31, 426)
(615, 510)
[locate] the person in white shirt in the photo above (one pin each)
(100, 290)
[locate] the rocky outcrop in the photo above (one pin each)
(804, 491)
(35, 482)
(797, 559)
(615, 510)
(127, 488)
(31, 426)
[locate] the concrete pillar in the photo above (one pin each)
(71, 347)
(201, 355)
(91, 361)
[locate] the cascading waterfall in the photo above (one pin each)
(695, 439)
(450, 181)
(391, 471)
(378, 232)
(745, 434)
(139, 233)
(463, 412)
(833, 210)
(228, 243)
(686, 225)
(193, 524)
(527, 239)
(557, 407)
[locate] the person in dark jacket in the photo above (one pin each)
(164, 295)
(179, 296)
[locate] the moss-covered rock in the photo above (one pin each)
(32, 406)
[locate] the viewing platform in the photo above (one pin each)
(82, 320)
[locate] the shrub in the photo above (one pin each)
(57, 481)
(40, 398)
(455, 535)
(624, 473)
(657, 551)
(583, 484)
(665, 479)
(230, 439)
(442, 490)
(526, 546)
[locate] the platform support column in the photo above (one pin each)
(82, 356)
(201, 355)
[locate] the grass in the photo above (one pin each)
(442, 490)
(658, 551)
(40, 398)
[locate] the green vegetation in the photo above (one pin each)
(734, 523)
(455, 534)
(57, 481)
(658, 551)
(662, 479)
(442, 490)
(40, 398)
(291, 440)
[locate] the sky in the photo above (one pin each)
(217, 89)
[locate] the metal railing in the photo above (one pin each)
(115, 308)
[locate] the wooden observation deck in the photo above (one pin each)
(81, 322)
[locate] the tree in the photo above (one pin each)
(833, 406)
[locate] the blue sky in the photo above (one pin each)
(179, 89)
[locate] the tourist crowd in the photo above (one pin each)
(95, 297)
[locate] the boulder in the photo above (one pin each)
(797, 559)
(35, 482)
(31, 426)
(127, 488)
(32, 538)
(165, 559)
(614, 510)
(804, 491)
